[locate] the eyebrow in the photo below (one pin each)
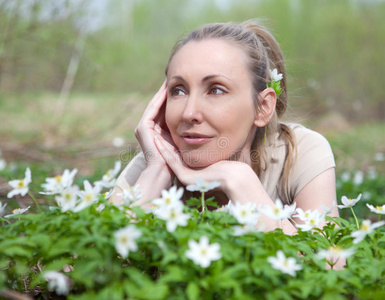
(206, 78)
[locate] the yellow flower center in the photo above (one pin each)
(364, 227)
(58, 178)
(167, 200)
(276, 211)
(380, 208)
(88, 197)
(67, 197)
(123, 239)
(21, 183)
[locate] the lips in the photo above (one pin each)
(195, 138)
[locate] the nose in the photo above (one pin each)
(193, 110)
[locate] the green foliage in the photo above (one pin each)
(82, 246)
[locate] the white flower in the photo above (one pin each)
(108, 179)
(345, 176)
(3, 164)
(378, 209)
(130, 195)
(57, 281)
(358, 178)
(67, 199)
(347, 202)
(283, 264)
(314, 219)
(275, 76)
(302, 215)
(327, 210)
(101, 207)
(17, 211)
(20, 186)
(173, 215)
(118, 141)
(246, 228)
(203, 253)
(169, 197)
(366, 228)
(88, 196)
(57, 184)
(334, 253)
(109, 193)
(379, 156)
(279, 212)
(2, 208)
(203, 186)
(372, 173)
(226, 208)
(125, 240)
(245, 214)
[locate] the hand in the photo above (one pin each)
(152, 123)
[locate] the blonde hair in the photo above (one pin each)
(264, 55)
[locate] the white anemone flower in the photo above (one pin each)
(118, 142)
(2, 208)
(130, 195)
(203, 186)
(68, 198)
(88, 196)
(314, 220)
(302, 215)
(279, 212)
(376, 209)
(57, 184)
(170, 197)
(3, 164)
(20, 186)
(358, 178)
(109, 179)
(17, 211)
(245, 214)
(328, 209)
(125, 240)
(173, 215)
(366, 228)
(246, 229)
(203, 253)
(226, 208)
(347, 202)
(334, 253)
(275, 76)
(287, 265)
(57, 281)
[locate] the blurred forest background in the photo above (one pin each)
(75, 75)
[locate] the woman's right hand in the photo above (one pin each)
(152, 122)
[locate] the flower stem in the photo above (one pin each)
(203, 202)
(36, 203)
(354, 215)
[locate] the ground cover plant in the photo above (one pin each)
(78, 245)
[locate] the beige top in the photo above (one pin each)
(314, 156)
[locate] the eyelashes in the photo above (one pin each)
(214, 90)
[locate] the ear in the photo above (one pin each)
(267, 100)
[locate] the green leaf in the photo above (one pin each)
(192, 291)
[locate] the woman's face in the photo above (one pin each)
(210, 109)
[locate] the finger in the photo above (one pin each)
(164, 134)
(171, 156)
(154, 106)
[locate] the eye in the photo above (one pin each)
(216, 91)
(177, 92)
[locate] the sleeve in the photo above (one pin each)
(314, 156)
(133, 170)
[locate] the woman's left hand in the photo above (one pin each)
(231, 174)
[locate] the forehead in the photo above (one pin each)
(209, 56)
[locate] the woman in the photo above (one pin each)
(217, 117)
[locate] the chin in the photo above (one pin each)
(198, 159)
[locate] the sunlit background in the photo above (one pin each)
(75, 75)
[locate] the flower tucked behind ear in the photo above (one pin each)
(275, 81)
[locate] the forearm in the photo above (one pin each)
(151, 182)
(248, 189)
